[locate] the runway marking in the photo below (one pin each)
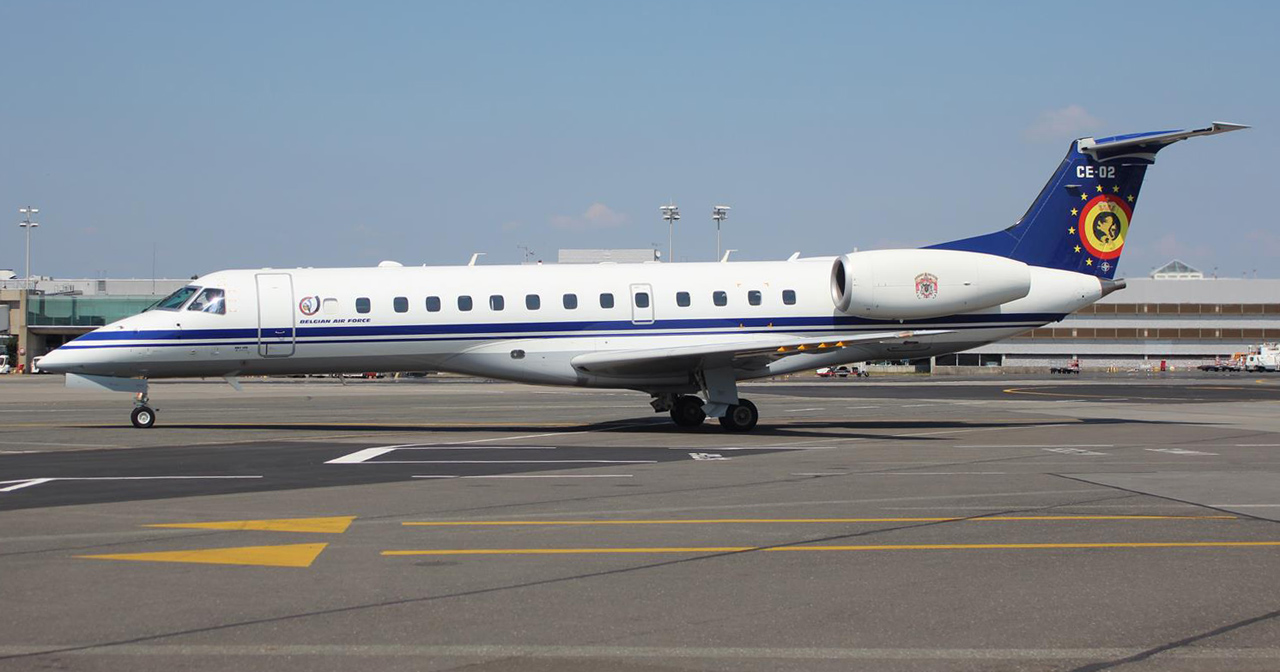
(1042, 445)
(330, 525)
(880, 547)
(1178, 451)
(290, 555)
(366, 454)
(1073, 451)
(28, 482)
(770, 448)
(802, 410)
(608, 652)
(64, 445)
(527, 476)
(772, 521)
(517, 462)
(1257, 445)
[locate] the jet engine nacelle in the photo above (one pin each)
(912, 284)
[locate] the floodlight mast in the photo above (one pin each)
(719, 213)
(670, 214)
(27, 224)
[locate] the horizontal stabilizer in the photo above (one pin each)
(1148, 143)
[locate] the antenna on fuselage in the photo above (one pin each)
(475, 257)
(725, 258)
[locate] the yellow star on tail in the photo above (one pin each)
(1115, 189)
(1077, 249)
(1088, 262)
(1131, 199)
(1099, 188)
(1071, 229)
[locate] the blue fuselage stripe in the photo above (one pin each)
(532, 330)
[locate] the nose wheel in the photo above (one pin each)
(143, 416)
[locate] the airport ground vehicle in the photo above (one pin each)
(685, 333)
(4, 364)
(1262, 358)
(1072, 367)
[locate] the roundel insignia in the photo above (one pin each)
(309, 305)
(1103, 225)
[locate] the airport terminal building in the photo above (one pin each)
(1175, 315)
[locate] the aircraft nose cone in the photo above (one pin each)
(60, 360)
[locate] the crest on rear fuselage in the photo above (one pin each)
(926, 286)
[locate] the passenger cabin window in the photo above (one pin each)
(175, 300)
(789, 297)
(570, 301)
(532, 301)
(606, 300)
(401, 304)
(496, 302)
(330, 306)
(209, 301)
(720, 298)
(642, 299)
(362, 305)
(682, 299)
(753, 297)
(433, 304)
(464, 303)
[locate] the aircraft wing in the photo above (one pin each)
(746, 355)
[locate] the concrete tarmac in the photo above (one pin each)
(1005, 523)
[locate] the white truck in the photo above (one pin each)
(1264, 357)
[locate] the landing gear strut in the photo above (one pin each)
(687, 411)
(143, 416)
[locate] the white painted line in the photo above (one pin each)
(1178, 451)
(933, 473)
(1245, 506)
(1257, 445)
(38, 481)
(858, 408)
(24, 484)
(518, 462)
(686, 448)
(1042, 445)
(915, 405)
(66, 445)
(529, 476)
(361, 456)
(819, 473)
(1073, 451)
(802, 410)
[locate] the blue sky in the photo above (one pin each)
(241, 134)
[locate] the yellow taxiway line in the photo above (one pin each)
(882, 547)
(757, 521)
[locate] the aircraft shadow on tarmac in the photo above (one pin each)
(661, 426)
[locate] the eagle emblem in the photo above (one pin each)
(926, 286)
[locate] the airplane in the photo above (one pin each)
(685, 333)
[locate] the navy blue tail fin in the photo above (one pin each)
(1081, 218)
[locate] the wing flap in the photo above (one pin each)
(746, 355)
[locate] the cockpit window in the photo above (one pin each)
(175, 300)
(210, 301)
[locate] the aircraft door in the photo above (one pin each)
(641, 304)
(275, 314)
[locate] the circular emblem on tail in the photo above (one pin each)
(309, 305)
(1104, 222)
(926, 286)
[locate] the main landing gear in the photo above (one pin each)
(689, 411)
(143, 416)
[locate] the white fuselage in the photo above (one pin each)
(288, 321)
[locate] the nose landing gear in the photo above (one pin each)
(143, 416)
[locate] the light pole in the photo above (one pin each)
(27, 224)
(719, 213)
(670, 214)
